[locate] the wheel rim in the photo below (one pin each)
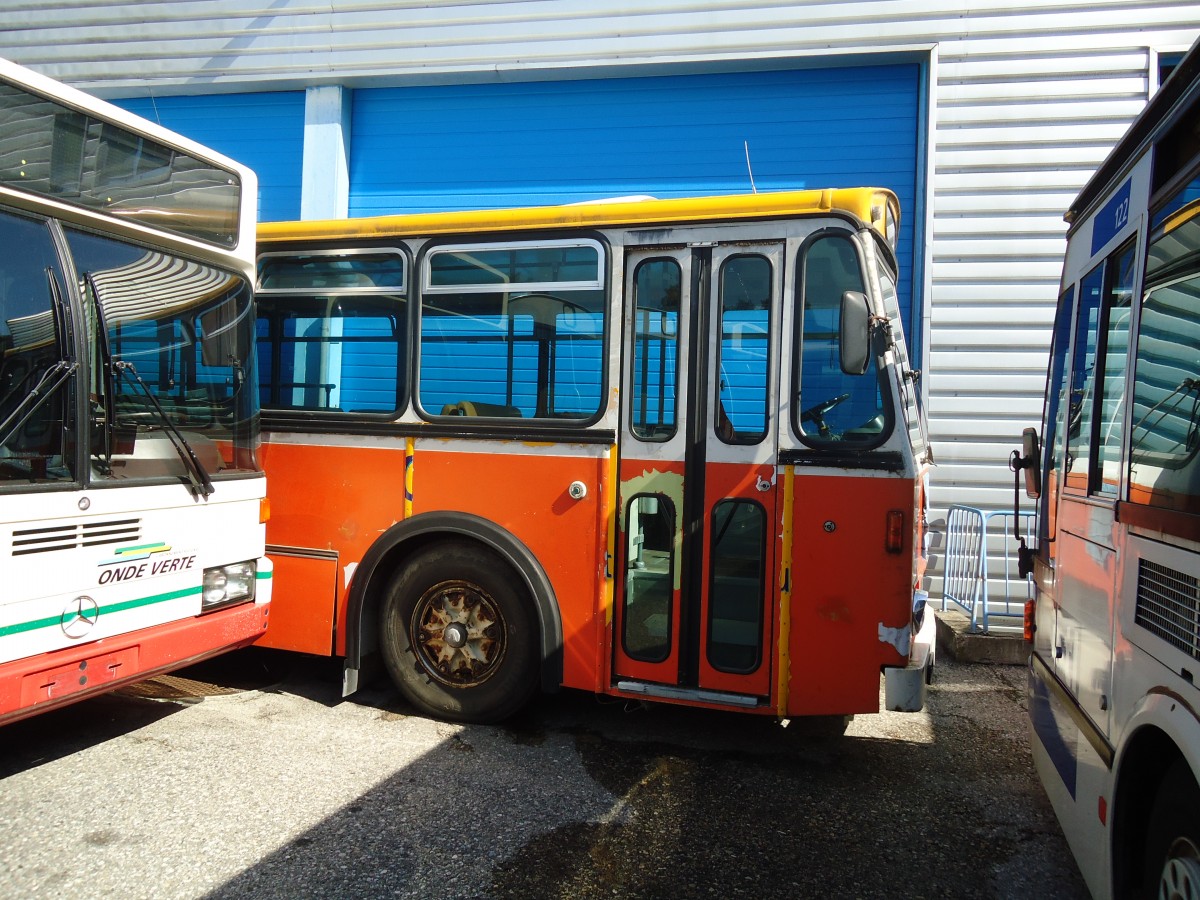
(458, 634)
(1180, 878)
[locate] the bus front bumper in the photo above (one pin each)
(904, 687)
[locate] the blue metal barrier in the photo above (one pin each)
(967, 582)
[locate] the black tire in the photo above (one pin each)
(1172, 861)
(459, 635)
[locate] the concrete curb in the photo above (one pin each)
(996, 648)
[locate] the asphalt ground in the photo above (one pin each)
(252, 778)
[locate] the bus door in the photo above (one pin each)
(696, 544)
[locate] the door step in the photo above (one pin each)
(667, 692)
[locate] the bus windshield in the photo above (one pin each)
(173, 348)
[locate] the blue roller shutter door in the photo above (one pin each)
(497, 145)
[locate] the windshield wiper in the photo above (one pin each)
(201, 484)
(51, 380)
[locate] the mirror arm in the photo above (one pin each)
(1025, 554)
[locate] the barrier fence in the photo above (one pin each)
(981, 566)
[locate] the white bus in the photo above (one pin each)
(132, 504)
(1115, 624)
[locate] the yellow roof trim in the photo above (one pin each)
(865, 204)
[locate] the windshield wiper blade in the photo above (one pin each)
(50, 382)
(201, 484)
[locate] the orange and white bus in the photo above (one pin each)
(1115, 620)
(131, 499)
(655, 449)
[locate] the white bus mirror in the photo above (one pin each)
(854, 337)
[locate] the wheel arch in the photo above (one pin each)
(384, 558)
(1163, 729)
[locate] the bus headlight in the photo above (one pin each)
(227, 584)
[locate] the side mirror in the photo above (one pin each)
(854, 339)
(1031, 462)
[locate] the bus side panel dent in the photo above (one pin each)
(387, 554)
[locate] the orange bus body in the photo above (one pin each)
(831, 588)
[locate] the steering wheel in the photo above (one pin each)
(816, 414)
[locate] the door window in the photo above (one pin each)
(735, 611)
(649, 578)
(745, 293)
(657, 286)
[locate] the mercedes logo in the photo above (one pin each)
(79, 616)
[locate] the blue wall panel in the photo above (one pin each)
(494, 145)
(264, 131)
(478, 146)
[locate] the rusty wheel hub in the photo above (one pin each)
(458, 634)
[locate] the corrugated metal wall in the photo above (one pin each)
(1025, 101)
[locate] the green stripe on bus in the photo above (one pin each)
(21, 627)
(120, 551)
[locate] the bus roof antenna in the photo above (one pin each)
(753, 189)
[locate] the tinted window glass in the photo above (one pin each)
(332, 353)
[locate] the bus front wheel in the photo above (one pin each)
(458, 634)
(1173, 838)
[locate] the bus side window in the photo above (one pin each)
(1057, 397)
(338, 353)
(513, 331)
(35, 449)
(1095, 430)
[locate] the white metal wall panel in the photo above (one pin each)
(1026, 98)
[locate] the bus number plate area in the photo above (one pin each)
(51, 684)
